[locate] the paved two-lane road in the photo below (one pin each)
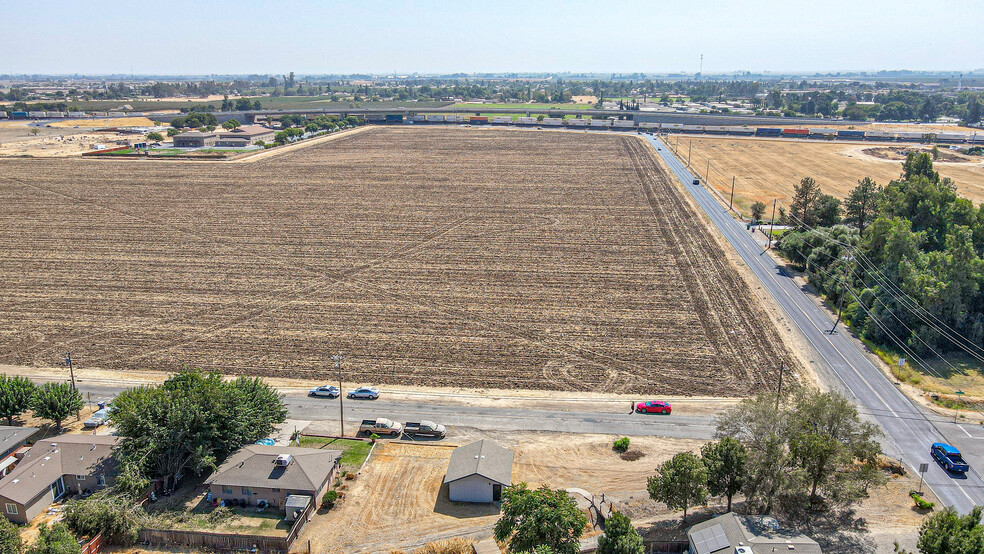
(842, 362)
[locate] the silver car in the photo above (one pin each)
(371, 393)
(98, 418)
(328, 391)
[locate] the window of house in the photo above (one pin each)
(226, 490)
(101, 480)
(80, 477)
(276, 490)
(247, 491)
(11, 509)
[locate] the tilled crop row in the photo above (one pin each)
(432, 256)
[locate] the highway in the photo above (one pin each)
(841, 361)
(612, 418)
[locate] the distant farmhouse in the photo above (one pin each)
(54, 466)
(245, 136)
(195, 139)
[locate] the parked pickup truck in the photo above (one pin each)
(948, 457)
(424, 429)
(380, 426)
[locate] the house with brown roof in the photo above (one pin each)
(272, 473)
(195, 139)
(11, 441)
(245, 136)
(53, 467)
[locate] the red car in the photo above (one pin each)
(654, 407)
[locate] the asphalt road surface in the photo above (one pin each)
(841, 361)
(454, 414)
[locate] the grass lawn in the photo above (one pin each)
(354, 452)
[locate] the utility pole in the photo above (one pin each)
(840, 302)
(707, 173)
(341, 395)
(772, 224)
(690, 146)
(732, 201)
(71, 369)
(782, 367)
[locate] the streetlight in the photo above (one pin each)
(341, 410)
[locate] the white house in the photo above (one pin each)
(478, 471)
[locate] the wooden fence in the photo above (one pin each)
(227, 541)
(94, 546)
(665, 547)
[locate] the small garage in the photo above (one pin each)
(478, 471)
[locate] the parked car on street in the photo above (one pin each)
(371, 393)
(99, 418)
(380, 426)
(329, 391)
(654, 407)
(424, 429)
(948, 457)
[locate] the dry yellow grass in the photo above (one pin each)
(114, 122)
(768, 169)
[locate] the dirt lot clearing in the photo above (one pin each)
(768, 169)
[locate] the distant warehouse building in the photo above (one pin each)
(245, 136)
(195, 139)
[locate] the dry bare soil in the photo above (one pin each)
(434, 256)
(768, 169)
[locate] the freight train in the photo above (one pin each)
(735, 130)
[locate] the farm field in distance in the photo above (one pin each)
(431, 256)
(768, 169)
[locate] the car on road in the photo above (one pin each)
(98, 418)
(948, 457)
(424, 428)
(696, 182)
(654, 407)
(328, 391)
(371, 393)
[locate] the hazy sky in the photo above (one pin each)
(244, 36)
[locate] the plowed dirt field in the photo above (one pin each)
(437, 256)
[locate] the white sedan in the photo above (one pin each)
(329, 391)
(371, 393)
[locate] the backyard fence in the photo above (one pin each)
(94, 546)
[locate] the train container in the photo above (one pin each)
(693, 129)
(822, 132)
(19, 115)
(55, 115)
(601, 123)
(3, 114)
(502, 119)
(850, 134)
(976, 138)
(478, 119)
(416, 118)
(672, 127)
(650, 125)
(796, 132)
(622, 124)
(116, 114)
(768, 131)
(879, 135)
(136, 114)
(578, 122)
(951, 137)
(526, 120)
(742, 130)
(394, 118)
(76, 114)
(435, 118)
(553, 121)
(100, 114)
(716, 129)
(909, 136)
(36, 114)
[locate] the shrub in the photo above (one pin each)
(621, 445)
(447, 546)
(920, 502)
(155, 136)
(329, 499)
(116, 516)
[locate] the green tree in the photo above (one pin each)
(680, 482)
(231, 124)
(56, 401)
(828, 210)
(192, 422)
(620, 536)
(536, 518)
(725, 462)
(106, 512)
(10, 541)
(803, 210)
(973, 111)
(15, 396)
(758, 211)
(861, 206)
(155, 136)
(56, 539)
(948, 532)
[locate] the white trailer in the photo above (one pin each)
(38, 115)
(502, 119)
(879, 135)
(554, 121)
(76, 114)
(624, 124)
(578, 122)
(822, 132)
(648, 125)
(976, 138)
(909, 136)
(435, 118)
(100, 114)
(693, 129)
(56, 115)
(601, 123)
(951, 137)
(117, 114)
(526, 120)
(672, 126)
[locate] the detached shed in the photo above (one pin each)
(478, 471)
